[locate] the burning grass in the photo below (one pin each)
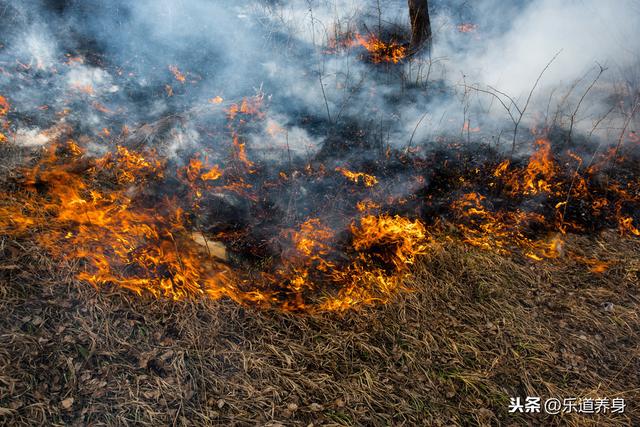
(109, 213)
(377, 51)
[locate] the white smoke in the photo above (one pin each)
(231, 48)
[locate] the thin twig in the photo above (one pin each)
(575, 112)
(524, 109)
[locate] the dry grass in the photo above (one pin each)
(477, 329)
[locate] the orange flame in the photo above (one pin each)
(380, 51)
(359, 177)
(4, 106)
(248, 106)
(4, 124)
(177, 74)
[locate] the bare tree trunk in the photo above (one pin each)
(420, 23)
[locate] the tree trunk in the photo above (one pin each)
(420, 23)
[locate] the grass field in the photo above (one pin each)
(477, 329)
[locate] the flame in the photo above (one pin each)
(405, 235)
(502, 168)
(311, 246)
(367, 205)
(4, 106)
(241, 152)
(213, 174)
(359, 177)
(134, 246)
(541, 170)
(500, 231)
(4, 124)
(86, 88)
(380, 51)
(311, 237)
(129, 166)
(387, 246)
(538, 177)
(248, 106)
(177, 74)
(625, 224)
(102, 108)
(151, 248)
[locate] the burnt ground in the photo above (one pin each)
(477, 329)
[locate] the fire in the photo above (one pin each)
(367, 205)
(177, 74)
(359, 177)
(467, 127)
(502, 168)
(4, 106)
(626, 225)
(311, 247)
(213, 174)
(240, 152)
(406, 236)
(134, 246)
(4, 124)
(538, 177)
(380, 51)
(248, 106)
(387, 247)
(129, 167)
(183, 207)
(102, 108)
(482, 227)
(85, 88)
(150, 248)
(311, 236)
(105, 211)
(539, 174)
(84, 208)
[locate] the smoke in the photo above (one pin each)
(585, 32)
(233, 49)
(582, 36)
